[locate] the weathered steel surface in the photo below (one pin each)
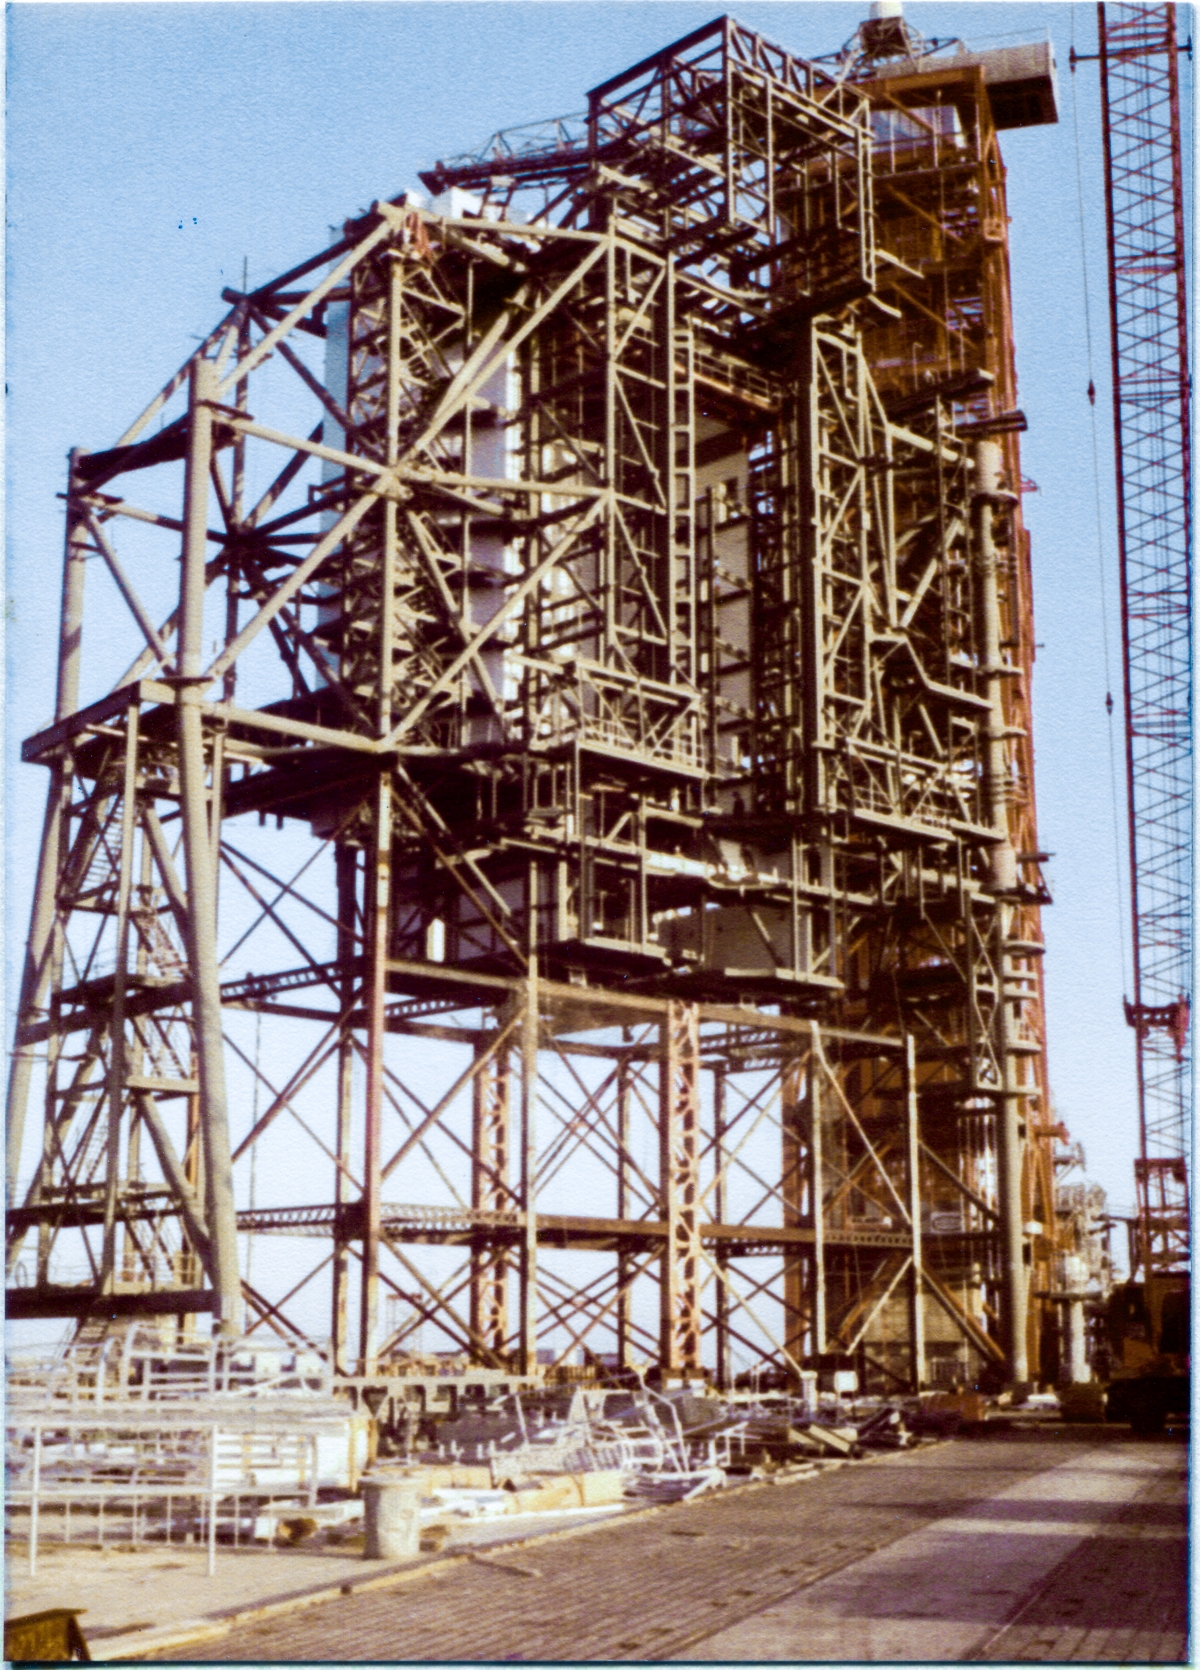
(630, 634)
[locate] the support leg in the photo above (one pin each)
(489, 1193)
(199, 847)
(378, 884)
(679, 1133)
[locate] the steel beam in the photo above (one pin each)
(200, 849)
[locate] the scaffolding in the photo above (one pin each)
(617, 576)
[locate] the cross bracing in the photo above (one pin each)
(635, 673)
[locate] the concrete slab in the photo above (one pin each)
(672, 1583)
(939, 1593)
(130, 1591)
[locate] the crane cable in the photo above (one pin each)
(1119, 868)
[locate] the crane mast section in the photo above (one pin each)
(1144, 196)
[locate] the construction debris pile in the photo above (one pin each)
(122, 1438)
(127, 1438)
(593, 1446)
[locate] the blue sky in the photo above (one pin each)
(152, 149)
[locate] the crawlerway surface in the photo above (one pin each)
(1044, 1543)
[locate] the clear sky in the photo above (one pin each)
(152, 149)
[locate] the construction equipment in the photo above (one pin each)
(1146, 1319)
(1147, 1327)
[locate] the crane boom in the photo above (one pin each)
(1143, 170)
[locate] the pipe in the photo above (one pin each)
(990, 499)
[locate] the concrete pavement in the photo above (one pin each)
(947, 1592)
(979, 1548)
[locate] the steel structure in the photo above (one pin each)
(638, 622)
(943, 231)
(1143, 179)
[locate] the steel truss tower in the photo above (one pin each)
(639, 653)
(1143, 178)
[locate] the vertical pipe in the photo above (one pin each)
(379, 888)
(808, 698)
(724, 1365)
(1010, 1157)
(916, 1302)
(989, 498)
(530, 1000)
(378, 884)
(346, 865)
(199, 847)
(817, 1187)
(623, 1307)
(610, 560)
(234, 577)
(387, 578)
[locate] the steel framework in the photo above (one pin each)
(644, 646)
(1143, 177)
(943, 236)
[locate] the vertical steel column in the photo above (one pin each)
(489, 1193)
(346, 865)
(530, 1000)
(988, 499)
(916, 1298)
(796, 1321)
(36, 970)
(816, 1187)
(623, 1260)
(199, 842)
(719, 1193)
(378, 885)
(808, 704)
(679, 1173)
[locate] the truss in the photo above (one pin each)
(1151, 411)
(623, 654)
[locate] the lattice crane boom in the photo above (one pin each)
(1144, 199)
